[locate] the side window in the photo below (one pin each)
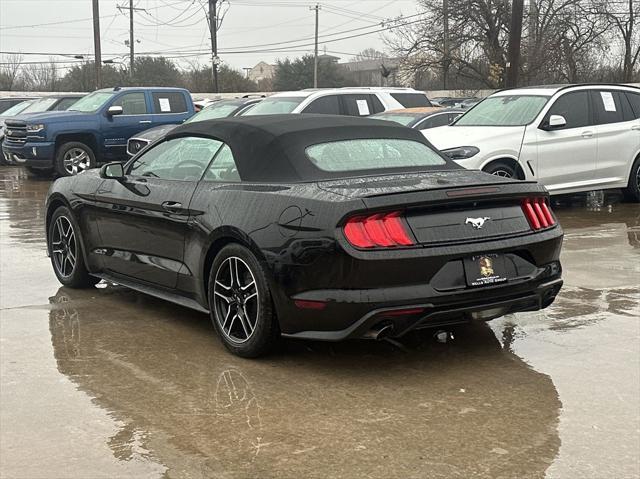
(357, 105)
(132, 103)
(607, 107)
(436, 120)
(411, 100)
(182, 159)
(376, 104)
(223, 168)
(634, 99)
(169, 102)
(627, 112)
(327, 105)
(65, 103)
(574, 107)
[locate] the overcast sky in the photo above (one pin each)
(178, 27)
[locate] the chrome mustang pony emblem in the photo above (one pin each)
(477, 223)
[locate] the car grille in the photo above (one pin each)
(15, 133)
(134, 145)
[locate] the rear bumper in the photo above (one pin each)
(480, 304)
(32, 153)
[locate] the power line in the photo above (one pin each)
(356, 19)
(254, 48)
(288, 48)
(62, 22)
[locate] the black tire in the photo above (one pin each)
(73, 157)
(65, 250)
(39, 172)
(503, 169)
(232, 317)
(632, 191)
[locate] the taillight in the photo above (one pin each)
(381, 230)
(538, 213)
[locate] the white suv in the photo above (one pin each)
(340, 101)
(569, 138)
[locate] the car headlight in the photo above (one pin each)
(35, 127)
(461, 152)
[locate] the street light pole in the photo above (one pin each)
(96, 44)
(315, 53)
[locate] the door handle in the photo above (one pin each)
(143, 122)
(635, 127)
(172, 207)
(587, 134)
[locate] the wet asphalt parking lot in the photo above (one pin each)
(109, 383)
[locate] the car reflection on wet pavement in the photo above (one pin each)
(111, 383)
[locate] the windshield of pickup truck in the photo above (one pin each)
(92, 102)
(504, 110)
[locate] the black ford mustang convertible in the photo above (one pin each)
(307, 226)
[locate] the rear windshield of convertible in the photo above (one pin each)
(372, 154)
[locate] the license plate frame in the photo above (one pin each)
(485, 270)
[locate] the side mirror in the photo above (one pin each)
(113, 171)
(555, 121)
(114, 110)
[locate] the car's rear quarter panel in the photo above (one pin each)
(289, 227)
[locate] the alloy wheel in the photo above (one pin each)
(75, 161)
(638, 179)
(236, 300)
(503, 173)
(64, 247)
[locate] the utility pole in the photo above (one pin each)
(515, 38)
(315, 53)
(96, 44)
(213, 30)
(131, 40)
(445, 46)
(131, 52)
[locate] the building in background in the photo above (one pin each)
(261, 72)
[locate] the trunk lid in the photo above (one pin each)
(446, 207)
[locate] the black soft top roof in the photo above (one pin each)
(271, 148)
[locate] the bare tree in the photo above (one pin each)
(40, 76)
(478, 31)
(9, 70)
(564, 40)
(624, 17)
(582, 41)
(369, 54)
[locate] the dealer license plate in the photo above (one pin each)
(485, 270)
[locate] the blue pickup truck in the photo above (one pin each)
(94, 130)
